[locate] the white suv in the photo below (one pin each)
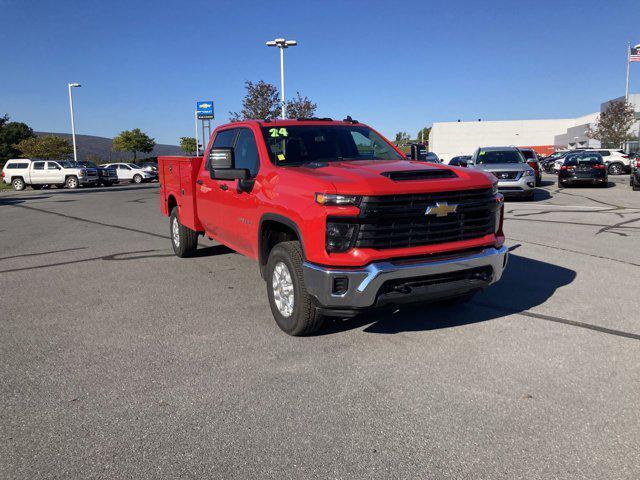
(617, 161)
(132, 172)
(38, 173)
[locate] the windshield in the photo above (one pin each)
(492, 157)
(298, 145)
(89, 164)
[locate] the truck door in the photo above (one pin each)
(211, 194)
(240, 210)
(55, 174)
(38, 173)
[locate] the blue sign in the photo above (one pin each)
(204, 110)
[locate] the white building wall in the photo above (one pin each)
(449, 139)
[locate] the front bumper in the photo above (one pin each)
(88, 180)
(404, 281)
(522, 186)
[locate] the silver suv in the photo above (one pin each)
(515, 177)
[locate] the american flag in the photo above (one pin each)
(634, 54)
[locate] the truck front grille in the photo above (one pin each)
(400, 221)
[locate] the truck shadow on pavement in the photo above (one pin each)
(525, 284)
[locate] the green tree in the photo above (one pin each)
(301, 107)
(12, 133)
(260, 102)
(188, 144)
(402, 139)
(423, 134)
(133, 141)
(47, 147)
(613, 126)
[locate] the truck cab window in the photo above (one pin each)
(52, 166)
(38, 165)
(246, 152)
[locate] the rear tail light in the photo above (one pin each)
(2, 174)
(625, 156)
(637, 164)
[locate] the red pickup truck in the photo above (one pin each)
(337, 218)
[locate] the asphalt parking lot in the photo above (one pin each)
(120, 360)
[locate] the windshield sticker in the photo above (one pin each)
(278, 132)
(280, 156)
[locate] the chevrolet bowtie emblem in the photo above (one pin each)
(441, 209)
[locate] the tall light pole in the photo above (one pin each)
(281, 43)
(73, 126)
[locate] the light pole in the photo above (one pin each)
(281, 43)
(73, 127)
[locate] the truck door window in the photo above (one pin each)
(246, 152)
(38, 165)
(52, 166)
(224, 139)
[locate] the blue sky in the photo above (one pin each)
(396, 65)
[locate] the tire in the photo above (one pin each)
(615, 169)
(285, 267)
(562, 184)
(137, 178)
(183, 240)
(18, 184)
(72, 182)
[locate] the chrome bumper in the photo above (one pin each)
(364, 283)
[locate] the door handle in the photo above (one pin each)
(199, 182)
(224, 187)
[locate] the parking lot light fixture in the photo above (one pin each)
(281, 43)
(73, 127)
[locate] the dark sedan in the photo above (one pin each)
(583, 168)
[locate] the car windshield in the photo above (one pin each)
(492, 157)
(89, 164)
(299, 145)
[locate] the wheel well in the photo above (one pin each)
(15, 177)
(171, 202)
(273, 232)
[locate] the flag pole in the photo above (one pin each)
(626, 94)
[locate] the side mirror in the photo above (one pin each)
(222, 165)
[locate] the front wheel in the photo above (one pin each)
(290, 302)
(72, 182)
(137, 178)
(18, 184)
(183, 240)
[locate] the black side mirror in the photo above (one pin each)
(222, 165)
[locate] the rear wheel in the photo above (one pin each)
(18, 184)
(291, 305)
(72, 182)
(183, 240)
(615, 169)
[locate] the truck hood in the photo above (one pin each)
(380, 177)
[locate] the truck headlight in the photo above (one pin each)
(498, 212)
(335, 199)
(82, 173)
(339, 236)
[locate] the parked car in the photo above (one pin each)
(336, 217)
(533, 161)
(460, 161)
(515, 177)
(634, 178)
(39, 173)
(150, 167)
(583, 168)
(131, 172)
(107, 176)
(617, 161)
(548, 163)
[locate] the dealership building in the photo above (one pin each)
(449, 139)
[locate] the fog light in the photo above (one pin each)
(340, 285)
(531, 184)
